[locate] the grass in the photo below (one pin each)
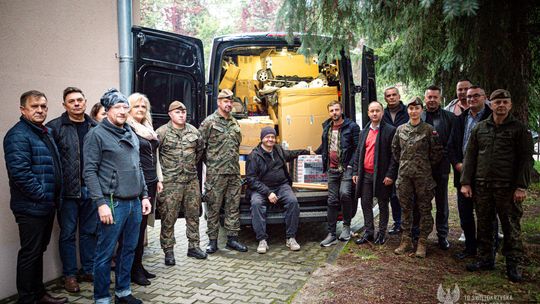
(365, 254)
(537, 165)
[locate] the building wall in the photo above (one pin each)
(47, 46)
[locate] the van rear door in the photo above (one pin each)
(169, 67)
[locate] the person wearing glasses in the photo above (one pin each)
(496, 173)
(477, 111)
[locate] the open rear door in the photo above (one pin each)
(169, 67)
(369, 91)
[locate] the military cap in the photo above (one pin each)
(111, 98)
(176, 105)
(499, 94)
(225, 93)
(415, 101)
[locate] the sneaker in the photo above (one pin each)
(263, 247)
(345, 233)
(329, 240)
(292, 244)
(462, 237)
(129, 299)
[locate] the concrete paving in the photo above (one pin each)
(226, 276)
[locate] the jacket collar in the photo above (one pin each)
(508, 120)
(66, 121)
(346, 122)
(38, 129)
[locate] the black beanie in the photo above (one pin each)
(267, 130)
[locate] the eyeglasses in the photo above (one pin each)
(474, 96)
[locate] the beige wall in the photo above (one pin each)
(48, 45)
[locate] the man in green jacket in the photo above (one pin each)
(496, 172)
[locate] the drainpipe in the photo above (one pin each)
(125, 46)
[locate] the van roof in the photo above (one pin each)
(258, 36)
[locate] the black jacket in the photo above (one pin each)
(446, 122)
(385, 164)
(348, 140)
(256, 167)
(66, 138)
(455, 144)
(33, 166)
(401, 116)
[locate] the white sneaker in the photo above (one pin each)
(292, 244)
(329, 240)
(462, 237)
(263, 247)
(345, 233)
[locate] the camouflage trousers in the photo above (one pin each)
(222, 190)
(498, 201)
(177, 197)
(423, 189)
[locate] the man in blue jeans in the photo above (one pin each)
(115, 179)
(339, 141)
(68, 132)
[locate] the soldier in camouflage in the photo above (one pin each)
(496, 173)
(221, 135)
(416, 148)
(180, 150)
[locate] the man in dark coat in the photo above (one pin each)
(395, 115)
(374, 172)
(476, 112)
(35, 183)
(270, 183)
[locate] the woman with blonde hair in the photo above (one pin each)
(140, 120)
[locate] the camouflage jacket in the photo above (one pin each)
(417, 149)
(179, 152)
(222, 139)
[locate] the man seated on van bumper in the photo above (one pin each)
(269, 182)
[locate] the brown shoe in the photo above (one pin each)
(48, 299)
(421, 248)
(406, 244)
(87, 277)
(71, 285)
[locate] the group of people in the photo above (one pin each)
(102, 174)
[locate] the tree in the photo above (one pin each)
(429, 41)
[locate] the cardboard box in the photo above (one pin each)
(251, 131)
(247, 88)
(291, 65)
(242, 164)
(230, 77)
(309, 169)
(249, 65)
(301, 113)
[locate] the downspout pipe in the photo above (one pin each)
(125, 46)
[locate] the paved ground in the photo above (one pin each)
(227, 276)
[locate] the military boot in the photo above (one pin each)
(421, 248)
(513, 272)
(405, 245)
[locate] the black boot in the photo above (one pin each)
(443, 243)
(481, 265)
(513, 272)
(138, 277)
(169, 258)
(212, 246)
(364, 239)
(197, 253)
(234, 244)
(147, 274)
(381, 238)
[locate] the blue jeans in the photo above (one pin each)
(84, 212)
(127, 219)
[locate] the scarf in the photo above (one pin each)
(144, 129)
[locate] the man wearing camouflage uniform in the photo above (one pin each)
(496, 173)
(221, 135)
(180, 150)
(416, 148)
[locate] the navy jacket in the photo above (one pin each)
(385, 164)
(455, 144)
(401, 116)
(256, 167)
(33, 166)
(66, 138)
(348, 142)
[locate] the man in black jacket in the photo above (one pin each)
(477, 111)
(443, 122)
(395, 115)
(35, 184)
(269, 182)
(68, 132)
(339, 142)
(374, 172)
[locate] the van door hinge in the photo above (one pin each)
(358, 89)
(208, 88)
(142, 38)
